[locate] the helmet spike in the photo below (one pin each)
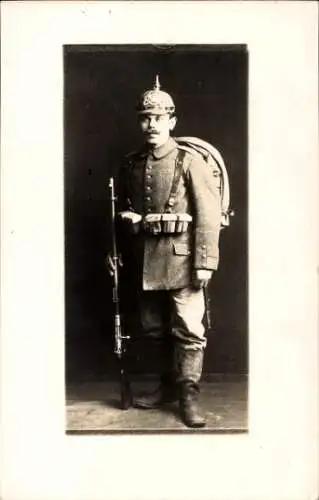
(157, 83)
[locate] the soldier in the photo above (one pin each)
(170, 212)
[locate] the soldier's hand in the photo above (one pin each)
(132, 220)
(130, 216)
(201, 277)
(110, 264)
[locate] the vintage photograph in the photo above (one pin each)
(159, 271)
(156, 238)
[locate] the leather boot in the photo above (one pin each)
(188, 406)
(167, 391)
(190, 364)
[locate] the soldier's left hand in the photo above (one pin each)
(201, 277)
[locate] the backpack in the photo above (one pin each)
(212, 157)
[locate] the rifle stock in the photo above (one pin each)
(119, 338)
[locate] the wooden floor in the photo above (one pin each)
(93, 407)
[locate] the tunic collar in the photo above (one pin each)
(160, 152)
(165, 149)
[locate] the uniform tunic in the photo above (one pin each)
(166, 262)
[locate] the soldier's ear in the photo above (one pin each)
(172, 122)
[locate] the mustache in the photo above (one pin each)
(151, 132)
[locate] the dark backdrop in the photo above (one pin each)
(102, 84)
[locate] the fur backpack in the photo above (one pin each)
(212, 157)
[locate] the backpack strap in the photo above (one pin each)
(177, 175)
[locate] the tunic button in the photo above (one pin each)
(148, 198)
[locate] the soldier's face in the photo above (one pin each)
(156, 128)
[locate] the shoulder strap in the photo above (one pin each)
(177, 175)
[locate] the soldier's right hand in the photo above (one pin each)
(130, 216)
(132, 220)
(110, 263)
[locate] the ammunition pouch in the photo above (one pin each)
(166, 223)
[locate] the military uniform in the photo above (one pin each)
(146, 181)
(168, 305)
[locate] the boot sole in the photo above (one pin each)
(192, 425)
(141, 406)
(146, 406)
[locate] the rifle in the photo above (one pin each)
(119, 338)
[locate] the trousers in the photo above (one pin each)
(178, 313)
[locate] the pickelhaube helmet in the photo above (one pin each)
(155, 101)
